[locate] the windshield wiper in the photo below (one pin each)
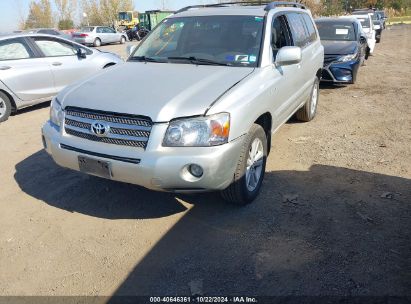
(145, 59)
(195, 60)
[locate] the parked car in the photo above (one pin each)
(99, 35)
(377, 22)
(218, 81)
(345, 48)
(49, 31)
(368, 28)
(35, 67)
(383, 17)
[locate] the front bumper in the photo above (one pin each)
(157, 167)
(341, 72)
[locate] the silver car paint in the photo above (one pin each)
(189, 96)
(172, 91)
(34, 80)
(105, 38)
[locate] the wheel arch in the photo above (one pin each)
(13, 103)
(266, 122)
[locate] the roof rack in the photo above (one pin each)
(268, 5)
(273, 5)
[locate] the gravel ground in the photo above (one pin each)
(333, 217)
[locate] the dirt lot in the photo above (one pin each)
(333, 218)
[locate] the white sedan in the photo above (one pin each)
(35, 67)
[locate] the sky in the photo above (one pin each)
(12, 10)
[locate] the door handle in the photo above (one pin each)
(56, 63)
(6, 67)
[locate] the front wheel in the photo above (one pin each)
(308, 111)
(250, 170)
(5, 107)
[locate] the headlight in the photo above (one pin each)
(198, 131)
(56, 112)
(347, 57)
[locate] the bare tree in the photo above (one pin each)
(21, 12)
(65, 8)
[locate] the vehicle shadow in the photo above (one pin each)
(325, 231)
(332, 86)
(76, 192)
(29, 109)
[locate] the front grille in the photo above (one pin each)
(329, 59)
(109, 117)
(125, 130)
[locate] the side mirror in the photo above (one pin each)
(363, 39)
(130, 49)
(288, 55)
(81, 53)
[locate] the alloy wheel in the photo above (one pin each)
(314, 99)
(254, 164)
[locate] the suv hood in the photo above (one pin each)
(161, 91)
(332, 47)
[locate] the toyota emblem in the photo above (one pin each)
(100, 129)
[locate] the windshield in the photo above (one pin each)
(365, 23)
(87, 29)
(124, 16)
(226, 40)
(336, 31)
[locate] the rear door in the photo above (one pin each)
(304, 76)
(23, 71)
(63, 61)
(283, 77)
(101, 33)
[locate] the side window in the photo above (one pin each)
(298, 30)
(100, 30)
(14, 49)
(54, 48)
(108, 30)
(279, 35)
(312, 34)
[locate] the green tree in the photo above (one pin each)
(65, 24)
(104, 12)
(40, 15)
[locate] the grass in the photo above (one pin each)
(397, 20)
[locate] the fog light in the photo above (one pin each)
(195, 170)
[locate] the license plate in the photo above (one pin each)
(94, 166)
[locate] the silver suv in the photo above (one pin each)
(194, 107)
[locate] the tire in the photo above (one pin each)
(97, 42)
(308, 111)
(5, 107)
(247, 182)
(378, 40)
(367, 53)
(122, 40)
(363, 58)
